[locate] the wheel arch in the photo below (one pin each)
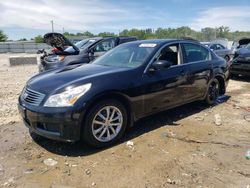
(116, 96)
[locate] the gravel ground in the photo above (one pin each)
(182, 147)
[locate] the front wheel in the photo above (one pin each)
(213, 92)
(105, 123)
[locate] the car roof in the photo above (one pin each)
(163, 41)
(205, 42)
(94, 38)
(121, 37)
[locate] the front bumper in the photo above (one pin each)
(240, 68)
(57, 124)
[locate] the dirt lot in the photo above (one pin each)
(182, 147)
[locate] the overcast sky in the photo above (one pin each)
(28, 18)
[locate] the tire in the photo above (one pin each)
(227, 58)
(35, 136)
(213, 92)
(106, 134)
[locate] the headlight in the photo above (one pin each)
(68, 97)
(61, 57)
(57, 58)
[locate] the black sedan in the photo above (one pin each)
(241, 62)
(97, 102)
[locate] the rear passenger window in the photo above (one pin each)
(195, 53)
(171, 54)
(219, 47)
(105, 45)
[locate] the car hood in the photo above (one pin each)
(60, 42)
(50, 81)
(243, 52)
(244, 41)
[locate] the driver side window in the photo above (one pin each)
(220, 47)
(105, 45)
(170, 53)
(213, 47)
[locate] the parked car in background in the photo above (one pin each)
(98, 101)
(241, 62)
(82, 52)
(220, 50)
(76, 41)
(243, 42)
(223, 41)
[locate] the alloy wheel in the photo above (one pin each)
(107, 123)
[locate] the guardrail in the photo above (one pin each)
(21, 47)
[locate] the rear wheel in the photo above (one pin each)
(105, 123)
(213, 92)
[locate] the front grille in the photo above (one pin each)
(51, 127)
(32, 97)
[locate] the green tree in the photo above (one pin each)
(183, 32)
(161, 33)
(22, 39)
(205, 34)
(139, 33)
(88, 34)
(208, 33)
(3, 37)
(222, 32)
(125, 32)
(39, 39)
(67, 34)
(106, 34)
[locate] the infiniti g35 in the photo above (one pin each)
(96, 102)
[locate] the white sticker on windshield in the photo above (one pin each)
(147, 45)
(91, 40)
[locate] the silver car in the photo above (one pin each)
(220, 50)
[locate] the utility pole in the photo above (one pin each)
(63, 29)
(52, 26)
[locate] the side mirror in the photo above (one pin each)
(91, 52)
(159, 65)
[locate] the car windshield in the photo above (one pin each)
(127, 55)
(83, 44)
(248, 46)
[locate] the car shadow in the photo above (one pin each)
(241, 78)
(145, 125)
